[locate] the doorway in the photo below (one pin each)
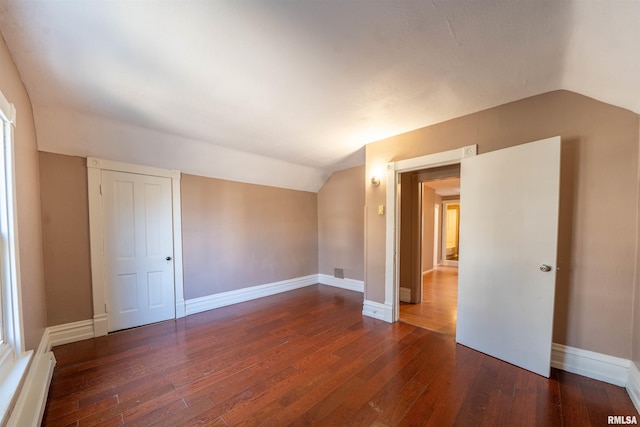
(429, 298)
(138, 249)
(451, 231)
(505, 314)
(114, 219)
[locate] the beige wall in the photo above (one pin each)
(28, 201)
(234, 235)
(65, 234)
(341, 223)
(599, 173)
(636, 305)
(238, 235)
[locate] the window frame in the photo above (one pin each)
(13, 359)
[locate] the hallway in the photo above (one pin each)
(439, 308)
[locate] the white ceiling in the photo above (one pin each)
(296, 88)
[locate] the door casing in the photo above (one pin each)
(443, 238)
(394, 169)
(95, 166)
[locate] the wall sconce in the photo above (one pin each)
(375, 181)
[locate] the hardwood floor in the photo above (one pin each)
(308, 357)
(439, 308)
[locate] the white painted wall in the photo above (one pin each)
(83, 135)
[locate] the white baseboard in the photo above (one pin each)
(69, 332)
(100, 324)
(350, 284)
(181, 310)
(32, 401)
(405, 294)
(633, 385)
(223, 299)
(610, 369)
(13, 383)
(377, 310)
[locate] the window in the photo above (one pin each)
(3, 311)
(13, 360)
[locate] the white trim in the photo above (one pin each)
(610, 369)
(405, 294)
(391, 271)
(14, 361)
(181, 307)
(70, 332)
(8, 110)
(447, 263)
(12, 385)
(65, 334)
(437, 159)
(443, 232)
(32, 400)
(30, 406)
(12, 284)
(96, 249)
(100, 324)
(350, 284)
(392, 222)
(177, 246)
(377, 310)
(31, 403)
(209, 302)
(633, 385)
(102, 164)
(95, 167)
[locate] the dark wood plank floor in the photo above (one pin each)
(308, 357)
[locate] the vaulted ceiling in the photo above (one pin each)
(283, 92)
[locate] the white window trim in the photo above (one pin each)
(14, 362)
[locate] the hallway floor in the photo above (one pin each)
(439, 308)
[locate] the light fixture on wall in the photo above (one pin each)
(375, 181)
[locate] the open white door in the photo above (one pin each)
(508, 237)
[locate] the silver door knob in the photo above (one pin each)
(545, 268)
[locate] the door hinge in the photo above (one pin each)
(105, 308)
(100, 187)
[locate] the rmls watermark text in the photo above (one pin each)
(622, 419)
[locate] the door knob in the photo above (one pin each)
(545, 268)
(168, 258)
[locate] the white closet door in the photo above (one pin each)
(138, 244)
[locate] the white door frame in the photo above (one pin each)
(95, 166)
(443, 238)
(436, 234)
(394, 169)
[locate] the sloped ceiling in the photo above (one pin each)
(284, 92)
